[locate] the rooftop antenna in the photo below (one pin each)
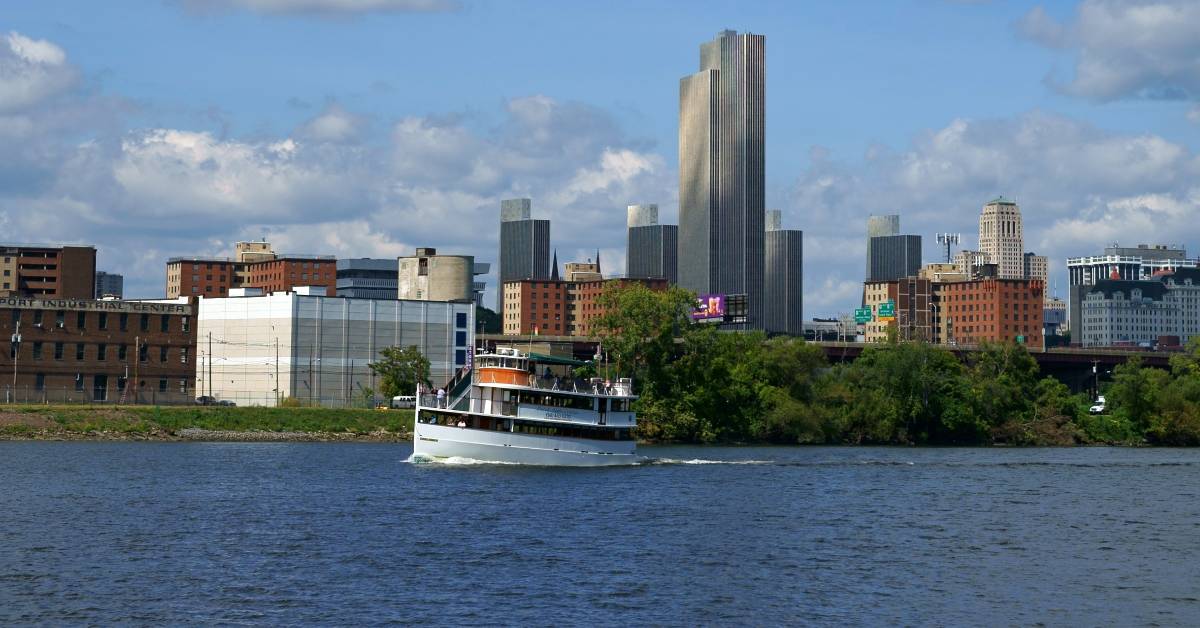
(947, 240)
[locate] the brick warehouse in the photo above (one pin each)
(82, 350)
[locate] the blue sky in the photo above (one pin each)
(363, 127)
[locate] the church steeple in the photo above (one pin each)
(554, 267)
(598, 263)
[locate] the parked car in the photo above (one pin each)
(1098, 407)
(205, 400)
(404, 401)
(226, 402)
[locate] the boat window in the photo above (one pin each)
(620, 405)
(573, 402)
(573, 431)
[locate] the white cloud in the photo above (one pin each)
(31, 71)
(342, 7)
(334, 124)
(1126, 48)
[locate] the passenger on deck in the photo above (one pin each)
(441, 397)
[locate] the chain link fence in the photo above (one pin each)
(66, 395)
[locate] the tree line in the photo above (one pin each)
(700, 385)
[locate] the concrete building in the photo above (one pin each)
(85, 350)
(583, 271)
(47, 272)
(1054, 317)
(722, 172)
(783, 277)
(257, 350)
(1138, 263)
(427, 276)
(970, 263)
(1001, 237)
(524, 245)
(367, 278)
(989, 310)
(1037, 267)
(1163, 310)
(109, 285)
(478, 285)
(560, 308)
(938, 272)
(651, 249)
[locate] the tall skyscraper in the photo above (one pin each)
(1000, 236)
(1036, 267)
(721, 171)
(878, 227)
(651, 249)
(524, 246)
(891, 255)
(783, 277)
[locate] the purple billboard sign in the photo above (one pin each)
(709, 307)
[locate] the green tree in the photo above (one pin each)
(1135, 391)
(400, 370)
(487, 320)
(639, 327)
(1002, 378)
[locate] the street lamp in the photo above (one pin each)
(16, 351)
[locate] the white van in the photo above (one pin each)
(403, 402)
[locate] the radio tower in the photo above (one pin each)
(948, 240)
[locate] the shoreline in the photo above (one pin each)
(198, 435)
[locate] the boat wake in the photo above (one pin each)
(454, 461)
(702, 461)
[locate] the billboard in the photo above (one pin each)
(709, 307)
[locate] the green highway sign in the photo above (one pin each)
(862, 315)
(887, 310)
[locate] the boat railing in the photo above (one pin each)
(622, 387)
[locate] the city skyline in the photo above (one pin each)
(191, 149)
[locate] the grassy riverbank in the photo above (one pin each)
(170, 423)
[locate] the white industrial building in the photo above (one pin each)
(260, 349)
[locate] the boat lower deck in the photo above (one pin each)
(511, 440)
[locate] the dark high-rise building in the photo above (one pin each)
(894, 257)
(721, 171)
(783, 277)
(524, 246)
(367, 278)
(109, 285)
(877, 226)
(652, 250)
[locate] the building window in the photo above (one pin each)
(79, 350)
(184, 322)
(162, 385)
(460, 320)
(460, 338)
(102, 320)
(460, 357)
(16, 316)
(123, 322)
(39, 383)
(164, 324)
(60, 319)
(144, 323)
(79, 382)
(122, 352)
(102, 352)
(183, 355)
(81, 320)
(37, 350)
(58, 351)
(143, 353)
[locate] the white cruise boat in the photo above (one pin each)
(500, 411)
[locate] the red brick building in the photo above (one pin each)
(216, 276)
(284, 273)
(46, 272)
(200, 277)
(83, 350)
(559, 308)
(990, 310)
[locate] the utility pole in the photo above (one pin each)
(210, 357)
(16, 351)
(277, 389)
(137, 358)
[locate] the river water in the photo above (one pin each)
(311, 533)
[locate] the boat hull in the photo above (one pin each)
(441, 442)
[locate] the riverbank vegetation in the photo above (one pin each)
(701, 385)
(16, 421)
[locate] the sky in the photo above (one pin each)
(366, 128)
